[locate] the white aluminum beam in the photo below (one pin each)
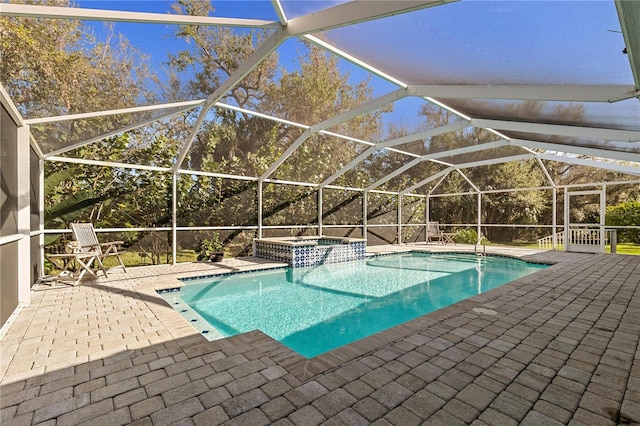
(440, 174)
(35, 146)
(392, 142)
(583, 150)
(473, 186)
(348, 167)
(348, 138)
(261, 115)
(495, 161)
(358, 62)
(546, 172)
(340, 118)
(629, 17)
(81, 14)
(395, 173)
(434, 187)
(80, 116)
(286, 154)
(111, 133)
(217, 175)
(560, 130)
(277, 7)
(434, 156)
(256, 58)
(424, 134)
(100, 163)
(354, 12)
(577, 93)
(468, 165)
(614, 167)
(369, 106)
(6, 101)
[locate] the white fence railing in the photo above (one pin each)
(546, 243)
(587, 240)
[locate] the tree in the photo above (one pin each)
(625, 214)
(243, 144)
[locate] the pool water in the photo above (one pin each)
(316, 309)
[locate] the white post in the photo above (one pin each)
(259, 210)
(554, 220)
(23, 190)
(365, 196)
(41, 217)
(479, 216)
(174, 218)
(603, 212)
(426, 219)
(566, 219)
(399, 219)
(320, 212)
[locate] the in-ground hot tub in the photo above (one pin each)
(309, 251)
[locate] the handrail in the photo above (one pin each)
(482, 240)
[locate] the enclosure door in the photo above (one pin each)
(584, 221)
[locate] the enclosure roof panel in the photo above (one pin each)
(495, 42)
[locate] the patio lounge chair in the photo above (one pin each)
(84, 251)
(88, 242)
(435, 234)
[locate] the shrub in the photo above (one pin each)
(625, 214)
(469, 236)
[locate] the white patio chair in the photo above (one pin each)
(88, 242)
(435, 234)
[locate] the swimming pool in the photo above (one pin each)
(315, 309)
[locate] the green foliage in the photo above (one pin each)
(625, 214)
(209, 247)
(469, 236)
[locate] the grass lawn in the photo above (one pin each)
(132, 258)
(622, 248)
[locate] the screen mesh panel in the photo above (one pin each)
(623, 115)
(413, 209)
(239, 143)
(105, 196)
(289, 205)
(456, 47)
(414, 234)
(107, 131)
(237, 242)
(382, 209)
(378, 235)
(319, 157)
(349, 232)
(341, 207)
(211, 201)
(289, 232)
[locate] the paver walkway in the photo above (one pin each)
(556, 347)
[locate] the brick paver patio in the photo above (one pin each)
(556, 347)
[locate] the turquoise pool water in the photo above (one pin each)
(313, 310)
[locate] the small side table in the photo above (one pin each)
(64, 260)
(447, 238)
